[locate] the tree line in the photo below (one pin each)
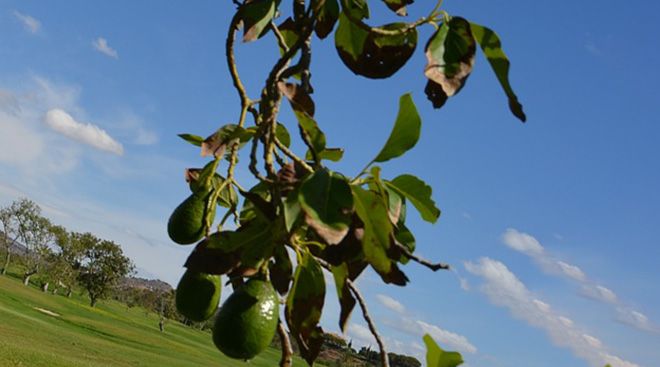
(57, 257)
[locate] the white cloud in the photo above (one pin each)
(637, 320)
(89, 134)
(530, 246)
(504, 289)
(572, 271)
(447, 338)
(101, 45)
(522, 242)
(31, 24)
(600, 293)
(391, 303)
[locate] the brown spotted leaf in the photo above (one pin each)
(256, 15)
(450, 57)
(371, 54)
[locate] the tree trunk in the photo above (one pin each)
(7, 257)
(92, 301)
(55, 290)
(26, 279)
(68, 292)
(44, 287)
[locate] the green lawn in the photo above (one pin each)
(109, 335)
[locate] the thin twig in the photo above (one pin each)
(292, 155)
(384, 359)
(421, 260)
(287, 351)
(280, 37)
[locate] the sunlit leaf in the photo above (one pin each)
(405, 133)
(192, 139)
(418, 193)
(492, 47)
(436, 357)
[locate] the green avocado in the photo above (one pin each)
(186, 224)
(247, 321)
(198, 295)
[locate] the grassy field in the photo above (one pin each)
(109, 335)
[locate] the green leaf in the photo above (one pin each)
(326, 199)
(292, 210)
(405, 237)
(371, 208)
(399, 6)
(289, 33)
(346, 299)
(304, 306)
(192, 139)
(350, 38)
(283, 135)
(377, 228)
(405, 133)
(492, 47)
(326, 17)
(436, 357)
(418, 193)
(251, 235)
(331, 154)
(256, 16)
(450, 57)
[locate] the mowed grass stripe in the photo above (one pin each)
(109, 335)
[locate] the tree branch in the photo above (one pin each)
(421, 260)
(287, 351)
(384, 359)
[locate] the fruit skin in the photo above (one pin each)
(247, 321)
(198, 295)
(186, 224)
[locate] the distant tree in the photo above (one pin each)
(102, 265)
(9, 228)
(34, 233)
(70, 251)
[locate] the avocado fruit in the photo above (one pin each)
(198, 295)
(247, 320)
(186, 224)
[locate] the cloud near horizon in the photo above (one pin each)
(504, 289)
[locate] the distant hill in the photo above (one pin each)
(142, 283)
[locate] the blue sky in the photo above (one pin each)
(551, 226)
